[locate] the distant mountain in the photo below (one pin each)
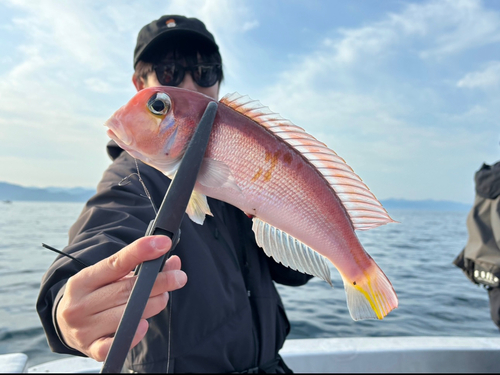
(428, 204)
(71, 191)
(12, 192)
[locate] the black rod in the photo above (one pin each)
(167, 222)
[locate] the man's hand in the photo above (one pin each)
(94, 300)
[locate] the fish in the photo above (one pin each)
(304, 200)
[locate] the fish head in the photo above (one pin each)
(157, 124)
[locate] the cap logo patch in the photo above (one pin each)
(170, 23)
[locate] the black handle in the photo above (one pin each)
(167, 222)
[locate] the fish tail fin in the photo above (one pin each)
(371, 296)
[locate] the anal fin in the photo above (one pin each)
(289, 251)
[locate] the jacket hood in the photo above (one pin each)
(488, 181)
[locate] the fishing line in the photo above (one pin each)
(170, 301)
(123, 182)
(169, 329)
(66, 255)
(126, 181)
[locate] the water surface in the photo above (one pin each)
(435, 298)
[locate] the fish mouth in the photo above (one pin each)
(111, 134)
(117, 133)
(119, 141)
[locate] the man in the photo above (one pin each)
(480, 259)
(228, 317)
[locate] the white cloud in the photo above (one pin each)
(348, 69)
(67, 27)
(446, 26)
(353, 92)
(99, 85)
(356, 43)
(458, 25)
(249, 25)
(218, 15)
(488, 77)
(73, 69)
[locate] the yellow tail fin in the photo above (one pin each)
(371, 296)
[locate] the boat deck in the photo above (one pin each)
(340, 355)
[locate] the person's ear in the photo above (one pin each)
(138, 82)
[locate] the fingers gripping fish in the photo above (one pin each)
(305, 201)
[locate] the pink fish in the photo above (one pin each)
(305, 201)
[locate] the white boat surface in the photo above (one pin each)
(402, 354)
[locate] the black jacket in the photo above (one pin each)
(480, 259)
(228, 317)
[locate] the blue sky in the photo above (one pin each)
(407, 92)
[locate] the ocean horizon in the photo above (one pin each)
(13, 192)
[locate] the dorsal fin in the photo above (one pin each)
(363, 208)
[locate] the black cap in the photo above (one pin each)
(167, 27)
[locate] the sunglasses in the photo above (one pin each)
(172, 74)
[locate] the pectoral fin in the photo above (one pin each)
(289, 251)
(198, 207)
(214, 174)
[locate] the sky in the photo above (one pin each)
(407, 92)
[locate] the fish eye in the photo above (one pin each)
(159, 103)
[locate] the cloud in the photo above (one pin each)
(368, 40)
(99, 85)
(368, 66)
(446, 26)
(70, 67)
(65, 26)
(218, 15)
(47, 112)
(377, 95)
(249, 25)
(486, 78)
(459, 25)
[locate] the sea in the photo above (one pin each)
(435, 297)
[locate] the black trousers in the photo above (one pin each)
(494, 294)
